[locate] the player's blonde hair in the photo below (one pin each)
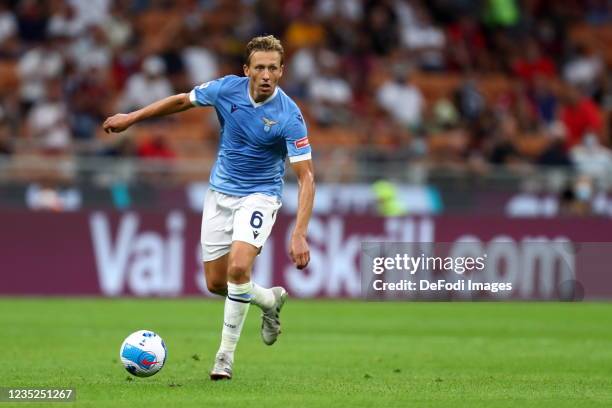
(264, 43)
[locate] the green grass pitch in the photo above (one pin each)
(331, 354)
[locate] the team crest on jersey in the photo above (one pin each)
(268, 123)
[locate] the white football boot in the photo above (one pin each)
(270, 321)
(222, 370)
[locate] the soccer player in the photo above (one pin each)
(260, 127)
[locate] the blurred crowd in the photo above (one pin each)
(451, 83)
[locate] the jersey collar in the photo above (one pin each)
(258, 104)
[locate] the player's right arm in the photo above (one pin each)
(167, 106)
(202, 95)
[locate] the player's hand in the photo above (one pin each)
(117, 123)
(299, 252)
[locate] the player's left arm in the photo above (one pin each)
(299, 251)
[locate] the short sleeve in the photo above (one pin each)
(207, 93)
(296, 138)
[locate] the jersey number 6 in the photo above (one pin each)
(256, 219)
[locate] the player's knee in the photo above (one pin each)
(237, 270)
(217, 287)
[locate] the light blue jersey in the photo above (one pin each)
(255, 137)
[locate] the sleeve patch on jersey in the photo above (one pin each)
(300, 143)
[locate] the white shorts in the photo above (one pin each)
(228, 218)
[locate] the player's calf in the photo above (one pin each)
(215, 272)
(217, 288)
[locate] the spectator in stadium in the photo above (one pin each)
(576, 198)
(91, 49)
(88, 97)
(555, 154)
(302, 69)
(329, 92)
(147, 86)
(467, 45)
(117, 27)
(305, 30)
(381, 24)
(584, 69)
(48, 121)
(580, 115)
(425, 41)
(9, 43)
(37, 66)
(32, 21)
(533, 63)
(504, 151)
(469, 99)
(63, 21)
(544, 100)
(200, 62)
(402, 99)
(592, 159)
(155, 147)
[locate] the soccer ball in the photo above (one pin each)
(143, 353)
